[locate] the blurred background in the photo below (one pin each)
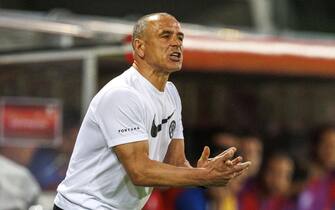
(257, 74)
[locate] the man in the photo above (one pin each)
(131, 138)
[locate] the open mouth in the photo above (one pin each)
(175, 56)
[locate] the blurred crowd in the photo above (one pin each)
(281, 177)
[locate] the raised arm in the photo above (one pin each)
(146, 172)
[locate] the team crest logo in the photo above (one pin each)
(172, 128)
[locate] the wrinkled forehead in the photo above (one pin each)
(163, 22)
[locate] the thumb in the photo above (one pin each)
(204, 157)
(205, 153)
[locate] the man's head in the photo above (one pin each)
(323, 146)
(157, 42)
(252, 149)
(278, 173)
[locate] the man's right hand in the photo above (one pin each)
(221, 169)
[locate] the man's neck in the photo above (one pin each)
(157, 78)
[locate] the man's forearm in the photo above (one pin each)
(154, 173)
(146, 172)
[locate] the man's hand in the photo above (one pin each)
(221, 168)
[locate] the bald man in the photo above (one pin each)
(131, 138)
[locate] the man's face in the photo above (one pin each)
(163, 41)
(326, 150)
(252, 149)
(278, 175)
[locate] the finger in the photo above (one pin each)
(229, 154)
(237, 174)
(224, 152)
(229, 163)
(241, 166)
(237, 160)
(205, 154)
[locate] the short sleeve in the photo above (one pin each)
(178, 133)
(120, 115)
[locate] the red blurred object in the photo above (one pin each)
(332, 191)
(170, 195)
(30, 121)
(256, 55)
(128, 55)
(155, 201)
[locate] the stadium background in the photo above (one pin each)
(264, 66)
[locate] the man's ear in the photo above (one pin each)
(139, 47)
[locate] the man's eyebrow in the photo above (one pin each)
(166, 32)
(181, 34)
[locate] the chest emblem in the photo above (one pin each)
(156, 128)
(172, 128)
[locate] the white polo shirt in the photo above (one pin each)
(127, 109)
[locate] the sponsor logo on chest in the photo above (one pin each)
(155, 129)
